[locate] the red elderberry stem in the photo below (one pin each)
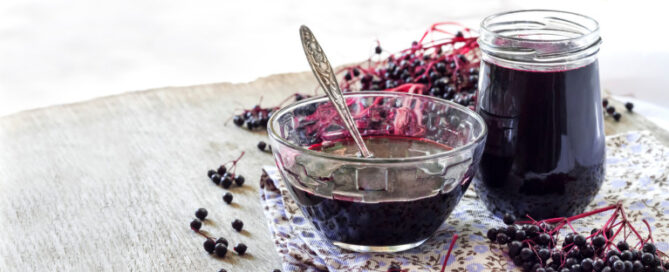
(448, 254)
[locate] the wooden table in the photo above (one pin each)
(112, 184)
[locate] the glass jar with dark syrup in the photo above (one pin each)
(539, 94)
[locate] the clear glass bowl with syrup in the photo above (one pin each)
(426, 151)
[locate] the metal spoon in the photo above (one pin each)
(323, 71)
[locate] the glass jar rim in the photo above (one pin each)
(539, 39)
(274, 134)
(488, 19)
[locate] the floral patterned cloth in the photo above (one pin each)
(637, 169)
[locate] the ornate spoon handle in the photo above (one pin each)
(323, 71)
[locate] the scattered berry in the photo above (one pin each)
(629, 106)
(276, 270)
(209, 245)
(262, 145)
(605, 102)
(201, 213)
(221, 250)
(237, 225)
(610, 109)
(378, 50)
(239, 180)
(227, 197)
(240, 248)
(616, 116)
(238, 120)
(195, 224)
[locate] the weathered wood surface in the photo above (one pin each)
(112, 184)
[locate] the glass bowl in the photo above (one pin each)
(426, 152)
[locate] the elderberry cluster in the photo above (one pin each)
(224, 178)
(220, 246)
(611, 110)
(452, 77)
(534, 247)
(255, 118)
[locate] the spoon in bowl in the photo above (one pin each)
(325, 74)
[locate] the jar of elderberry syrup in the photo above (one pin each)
(539, 94)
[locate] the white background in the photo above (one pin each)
(62, 51)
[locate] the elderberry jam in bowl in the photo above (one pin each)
(426, 151)
(539, 94)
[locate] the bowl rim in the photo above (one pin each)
(274, 136)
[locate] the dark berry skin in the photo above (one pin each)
(227, 198)
(216, 179)
(226, 181)
(509, 219)
(201, 213)
(239, 180)
(221, 250)
(514, 248)
(543, 239)
(626, 255)
(587, 264)
(394, 267)
(378, 50)
(649, 247)
(240, 249)
(238, 120)
(222, 270)
(544, 254)
(610, 109)
(622, 246)
(618, 266)
(492, 234)
(629, 106)
(195, 224)
(502, 238)
(647, 258)
(222, 240)
(237, 225)
(607, 269)
(276, 270)
(262, 145)
(617, 116)
(209, 245)
(526, 253)
(579, 240)
(210, 173)
(520, 235)
(221, 170)
(605, 102)
(597, 265)
(598, 241)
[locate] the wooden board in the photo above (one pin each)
(112, 184)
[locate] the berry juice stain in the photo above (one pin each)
(402, 221)
(544, 153)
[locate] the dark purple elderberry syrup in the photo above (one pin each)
(382, 223)
(544, 153)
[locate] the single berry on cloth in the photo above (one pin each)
(240, 249)
(223, 241)
(610, 109)
(276, 270)
(239, 180)
(195, 224)
(629, 106)
(209, 245)
(221, 250)
(237, 225)
(617, 116)
(605, 102)
(262, 145)
(227, 198)
(201, 213)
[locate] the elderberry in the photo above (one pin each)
(209, 245)
(610, 109)
(239, 180)
(210, 173)
(226, 181)
(262, 145)
(616, 116)
(227, 197)
(240, 249)
(509, 219)
(629, 106)
(216, 179)
(195, 224)
(649, 248)
(201, 213)
(378, 50)
(221, 250)
(237, 225)
(221, 170)
(223, 241)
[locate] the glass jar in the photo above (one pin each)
(539, 94)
